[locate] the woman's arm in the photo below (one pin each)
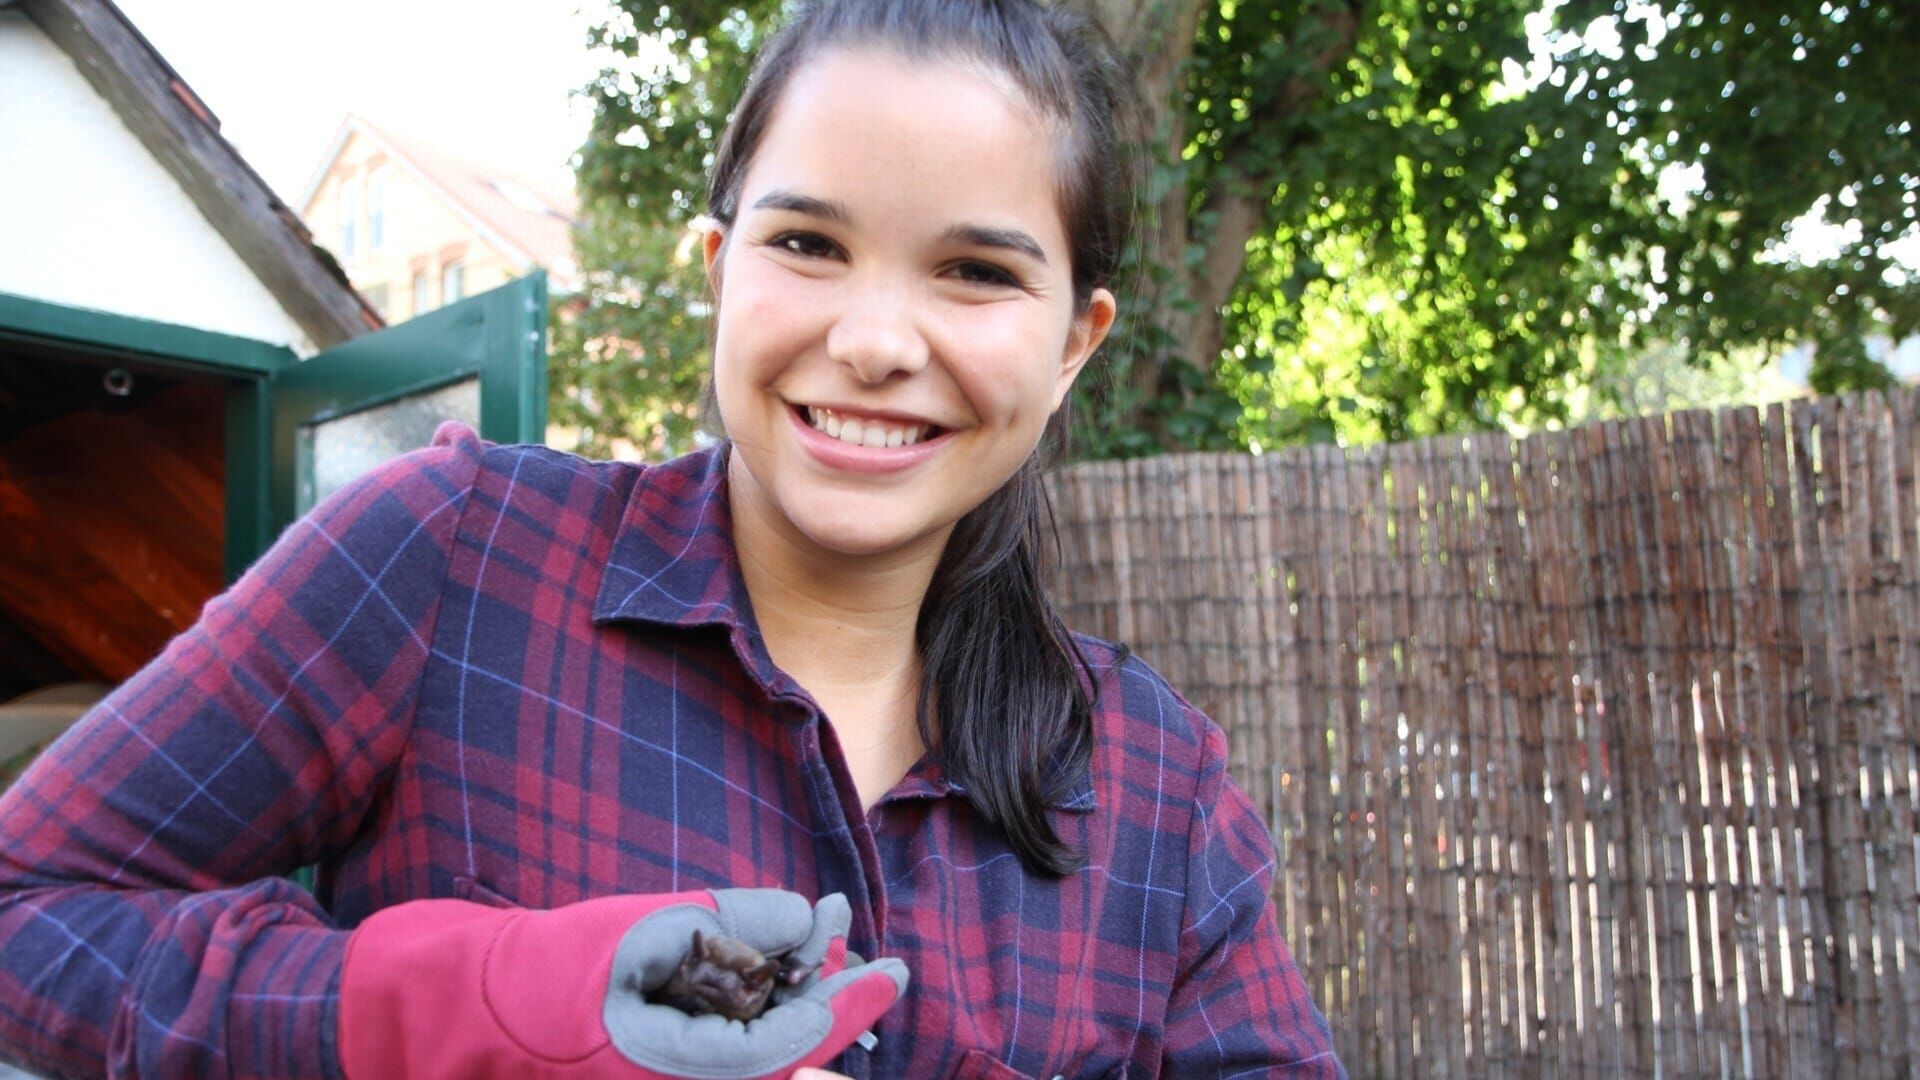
(144, 927)
(1239, 1004)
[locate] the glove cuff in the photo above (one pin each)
(451, 988)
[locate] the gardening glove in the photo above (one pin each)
(451, 988)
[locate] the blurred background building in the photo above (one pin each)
(416, 227)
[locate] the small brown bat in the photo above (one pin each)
(726, 976)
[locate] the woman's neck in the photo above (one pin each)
(841, 625)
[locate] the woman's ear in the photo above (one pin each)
(712, 245)
(1089, 329)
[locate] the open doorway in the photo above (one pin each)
(112, 526)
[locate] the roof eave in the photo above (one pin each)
(183, 136)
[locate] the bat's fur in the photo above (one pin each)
(725, 976)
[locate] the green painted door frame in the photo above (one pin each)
(498, 338)
(272, 396)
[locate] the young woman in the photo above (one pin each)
(535, 718)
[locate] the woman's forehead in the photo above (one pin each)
(877, 133)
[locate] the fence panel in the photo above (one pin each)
(1592, 753)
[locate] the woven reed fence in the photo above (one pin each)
(1592, 752)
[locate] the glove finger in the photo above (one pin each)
(868, 990)
(823, 955)
(773, 921)
(806, 1031)
(826, 944)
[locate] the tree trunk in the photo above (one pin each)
(1157, 39)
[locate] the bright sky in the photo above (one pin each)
(486, 79)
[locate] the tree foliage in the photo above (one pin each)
(1382, 218)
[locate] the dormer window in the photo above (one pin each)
(376, 209)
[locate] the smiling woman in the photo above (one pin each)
(543, 723)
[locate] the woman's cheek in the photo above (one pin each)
(773, 311)
(1009, 363)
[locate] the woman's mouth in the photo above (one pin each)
(851, 444)
(872, 433)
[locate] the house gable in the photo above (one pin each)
(403, 219)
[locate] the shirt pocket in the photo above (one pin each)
(980, 1065)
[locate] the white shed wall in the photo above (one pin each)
(88, 218)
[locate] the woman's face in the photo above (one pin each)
(897, 270)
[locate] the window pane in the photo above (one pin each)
(453, 282)
(421, 301)
(376, 210)
(349, 218)
(346, 447)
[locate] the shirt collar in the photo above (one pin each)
(672, 559)
(673, 563)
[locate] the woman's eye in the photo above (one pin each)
(981, 273)
(806, 245)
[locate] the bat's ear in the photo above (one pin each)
(698, 948)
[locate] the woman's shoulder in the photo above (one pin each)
(530, 469)
(1138, 709)
(528, 478)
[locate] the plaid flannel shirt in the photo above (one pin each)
(516, 676)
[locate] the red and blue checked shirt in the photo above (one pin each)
(516, 676)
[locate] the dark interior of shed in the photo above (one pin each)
(112, 517)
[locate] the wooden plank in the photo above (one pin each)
(1903, 731)
(1826, 892)
(1446, 672)
(1784, 717)
(1475, 756)
(1682, 619)
(1737, 518)
(1414, 686)
(1511, 789)
(1872, 688)
(1894, 835)
(1636, 742)
(1349, 755)
(1353, 478)
(1328, 884)
(1806, 718)
(1620, 895)
(1545, 497)
(1729, 922)
(114, 527)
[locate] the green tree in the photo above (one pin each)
(1383, 218)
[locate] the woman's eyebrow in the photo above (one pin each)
(972, 235)
(782, 199)
(987, 236)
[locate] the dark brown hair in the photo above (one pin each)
(1000, 671)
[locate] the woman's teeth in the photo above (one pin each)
(877, 434)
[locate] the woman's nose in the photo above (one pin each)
(875, 335)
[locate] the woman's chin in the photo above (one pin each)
(853, 533)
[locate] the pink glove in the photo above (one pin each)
(450, 988)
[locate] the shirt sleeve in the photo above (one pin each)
(144, 925)
(1239, 1005)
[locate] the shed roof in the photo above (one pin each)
(183, 135)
